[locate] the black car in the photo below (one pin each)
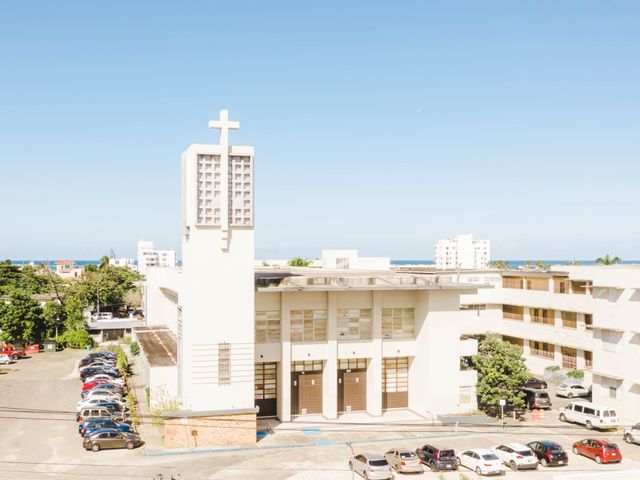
(94, 423)
(437, 459)
(536, 383)
(90, 371)
(536, 398)
(549, 453)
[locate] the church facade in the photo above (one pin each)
(256, 342)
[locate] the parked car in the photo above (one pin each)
(88, 372)
(590, 415)
(14, 353)
(437, 458)
(5, 359)
(536, 398)
(403, 460)
(103, 354)
(482, 461)
(105, 377)
(102, 397)
(549, 453)
(102, 383)
(599, 450)
(516, 456)
(100, 401)
(93, 412)
(88, 361)
(536, 383)
(632, 434)
(371, 466)
(87, 427)
(105, 438)
(571, 390)
(97, 391)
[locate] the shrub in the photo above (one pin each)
(75, 338)
(135, 348)
(575, 374)
(552, 368)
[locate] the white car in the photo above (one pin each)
(104, 376)
(90, 402)
(516, 456)
(632, 434)
(5, 359)
(371, 466)
(101, 393)
(570, 390)
(482, 461)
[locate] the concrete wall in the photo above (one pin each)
(210, 431)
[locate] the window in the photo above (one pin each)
(542, 315)
(352, 364)
(342, 263)
(308, 325)
(588, 359)
(613, 392)
(588, 321)
(611, 341)
(265, 383)
(398, 323)
(541, 349)
(569, 357)
(560, 285)
(569, 319)
(224, 363)
(395, 374)
(512, 312)
(307, 366)
(267, 326)
(354, 324)
(512, 282)
(537, 283)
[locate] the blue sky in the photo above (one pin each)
(377, 126)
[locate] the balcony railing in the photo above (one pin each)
(542, 353)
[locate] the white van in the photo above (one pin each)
(590, 415)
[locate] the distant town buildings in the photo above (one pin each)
(462, 252)
(67, 269)
(148, 256)
(122, 262)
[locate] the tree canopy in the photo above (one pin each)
(608, 260)
(501, 372)
(299, 262)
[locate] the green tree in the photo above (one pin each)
(54, 316)
(21, 319)
(501, 264)
(78, 338)
(501, 372)
(607, 260)
(299, 262)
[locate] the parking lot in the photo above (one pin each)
(40, 439)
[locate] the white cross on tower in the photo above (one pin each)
(224, 125)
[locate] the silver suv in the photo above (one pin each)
(371, 466)
(632, 434)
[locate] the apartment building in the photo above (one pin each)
(462, 252)
(575, 317)
(148, 256)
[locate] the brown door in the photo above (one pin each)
(306, 393)
(266, 389)
(352, 390)
(395, 382)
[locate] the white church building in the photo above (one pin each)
(231, 342)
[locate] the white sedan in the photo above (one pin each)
(90, 402)
(571, 390)
(516, 456)
(5, 359)
(482, 461)
(104, 376)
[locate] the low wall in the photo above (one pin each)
(210, 431)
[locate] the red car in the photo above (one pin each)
(94, 383)
(599, 450)
(14, 353)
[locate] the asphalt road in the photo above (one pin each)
(40, 441)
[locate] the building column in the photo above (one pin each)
(284, 369)
(330, 373)
(557, 318)
(374, 369)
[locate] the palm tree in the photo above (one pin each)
(104, 262)
(607, 260)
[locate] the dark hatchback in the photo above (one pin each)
(549, 453)
(437, 459)
(536, 398)
(87, 427)
(536, 383)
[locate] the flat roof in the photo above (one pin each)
(114, 324)
(159, 345)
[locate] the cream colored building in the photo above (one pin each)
(462, 252)
(574, 317)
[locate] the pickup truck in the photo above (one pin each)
(13, 352)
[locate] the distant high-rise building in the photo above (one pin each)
(462, 252)
(148, 256)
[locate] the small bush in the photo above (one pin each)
(575, 374)
(135, 348)
(75, 338)
(552, 368)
